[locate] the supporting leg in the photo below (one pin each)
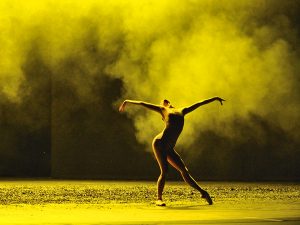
(161, 158)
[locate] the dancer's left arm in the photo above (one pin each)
(191, 108)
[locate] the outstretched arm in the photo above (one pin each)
(156, 108)
(198, 104)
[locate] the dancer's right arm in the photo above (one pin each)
(156, 108)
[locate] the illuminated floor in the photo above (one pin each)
(98, 202)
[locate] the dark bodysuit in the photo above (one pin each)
(174, 121)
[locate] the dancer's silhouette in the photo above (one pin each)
(164, 143)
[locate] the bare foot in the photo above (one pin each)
(160, 203)
(206, 196)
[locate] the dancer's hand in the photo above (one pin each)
(220, 100)
(122, 106)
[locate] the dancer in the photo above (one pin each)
(164, 143)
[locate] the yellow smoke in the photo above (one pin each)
(184, 51)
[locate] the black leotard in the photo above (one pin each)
(174, 124)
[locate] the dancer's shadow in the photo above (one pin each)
(186, 207)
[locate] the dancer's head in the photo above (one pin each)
(166, 103)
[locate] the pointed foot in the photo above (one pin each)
(206, 196)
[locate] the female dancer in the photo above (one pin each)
(164, 143)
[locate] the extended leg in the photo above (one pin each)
(175, 160)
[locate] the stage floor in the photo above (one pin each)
(115, 202)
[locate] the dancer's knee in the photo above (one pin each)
(162, 175)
